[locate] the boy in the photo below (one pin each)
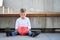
(23, 21)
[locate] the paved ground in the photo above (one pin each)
(42, 36)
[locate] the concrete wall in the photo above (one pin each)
(30, 5)
(34, 5)
(36, 22)
(52, 5)
(53, 22)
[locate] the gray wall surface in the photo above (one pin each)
(36, 22)
(30, 5)
(52, 5)
(33, 5)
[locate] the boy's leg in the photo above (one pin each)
(34, 33)
(14, 33)
(30, 33)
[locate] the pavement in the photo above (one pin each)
(41, 36)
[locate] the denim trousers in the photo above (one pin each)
(16, 33)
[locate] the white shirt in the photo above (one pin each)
(25, 22)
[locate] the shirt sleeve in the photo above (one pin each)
(29, 24)
(16, 25)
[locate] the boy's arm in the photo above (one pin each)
(29, 24)
(16, 25)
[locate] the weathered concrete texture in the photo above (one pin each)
(53, 22)
(30, 5)
(42, 36)
(1, 10)
(36, 22)
(6, 10)
(57, 22)
(7, 22)
(34, 5)
(52, 5)
(49, 22)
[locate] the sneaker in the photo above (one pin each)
(35, 33)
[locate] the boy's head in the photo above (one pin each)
(23, 13)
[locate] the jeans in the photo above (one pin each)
(16, 33)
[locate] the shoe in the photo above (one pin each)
(35, 33)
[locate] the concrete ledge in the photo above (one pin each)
(43, 14)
